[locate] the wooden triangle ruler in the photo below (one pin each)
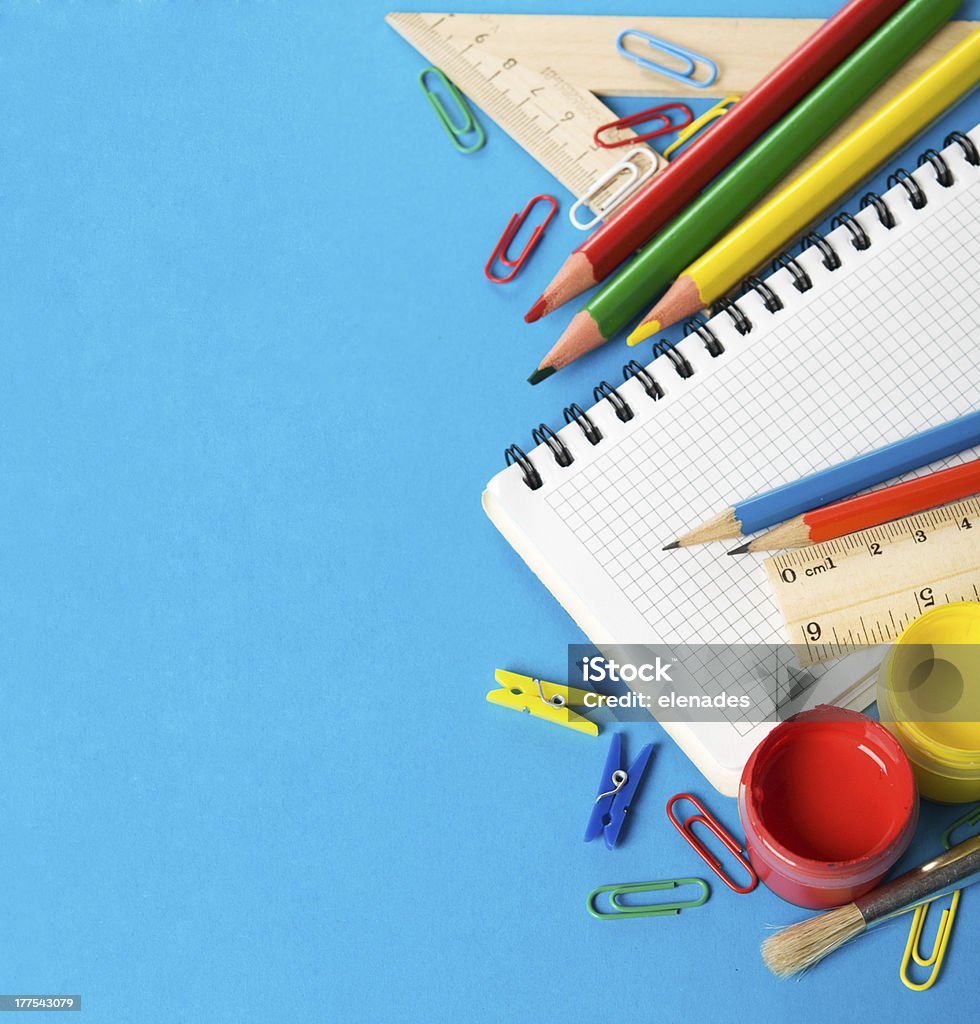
(538, 76)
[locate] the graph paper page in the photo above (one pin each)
(881, 348)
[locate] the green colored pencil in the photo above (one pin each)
(739, 188)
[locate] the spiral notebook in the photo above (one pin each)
(882, 346)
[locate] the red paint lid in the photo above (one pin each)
(828, 796)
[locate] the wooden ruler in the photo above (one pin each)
(864, 589)
(538, 76)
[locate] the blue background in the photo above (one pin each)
(252, 383)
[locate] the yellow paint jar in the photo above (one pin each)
(929, 699)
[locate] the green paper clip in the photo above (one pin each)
(623, 911)
(972, 817)
(456, 133)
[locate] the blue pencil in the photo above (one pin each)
(836, 482)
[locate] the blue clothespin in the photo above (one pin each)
(616, 789)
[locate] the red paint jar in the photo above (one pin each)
(828, 804)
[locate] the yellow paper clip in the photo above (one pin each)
(936, 957)
(686, 134)
(938, 954)
(545, 700)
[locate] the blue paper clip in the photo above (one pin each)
(616, 790)
(688, 59)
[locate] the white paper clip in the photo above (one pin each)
(632, 166)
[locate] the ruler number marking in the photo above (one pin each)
(860, 608)
(486, 86)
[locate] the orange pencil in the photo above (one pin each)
(842, 517)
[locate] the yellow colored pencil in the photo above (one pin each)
(802, 202)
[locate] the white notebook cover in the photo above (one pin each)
(881, 348)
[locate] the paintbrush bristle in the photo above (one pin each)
(801, 945)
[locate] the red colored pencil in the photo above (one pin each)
(687, 174)
(866, 510)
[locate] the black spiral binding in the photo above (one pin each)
(605, 390)
(740, 321)
(650, 385)
(574, 413)
(881, 208)
(943, 173)
(860, 239)
(697, 325)
(770, 299)
(543, 434)
(912, 188)
(513, 455)
(802, 281)
(828, 254)
(965, 143)
(674, 354)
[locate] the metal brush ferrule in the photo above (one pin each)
(954, 869)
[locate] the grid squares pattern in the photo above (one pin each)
(868, 362)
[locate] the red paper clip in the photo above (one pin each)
(701, 850)
(640, 118)
(513, 226)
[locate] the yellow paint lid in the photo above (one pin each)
(929, 689)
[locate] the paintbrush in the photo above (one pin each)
(801, 945)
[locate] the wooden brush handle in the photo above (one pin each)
(954, 869)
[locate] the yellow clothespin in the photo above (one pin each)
(721, 107)
(546, 700)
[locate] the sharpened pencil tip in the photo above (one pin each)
(540, 374)
(671, 546)
(537, 311)
(643, 331)
(743, 550)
